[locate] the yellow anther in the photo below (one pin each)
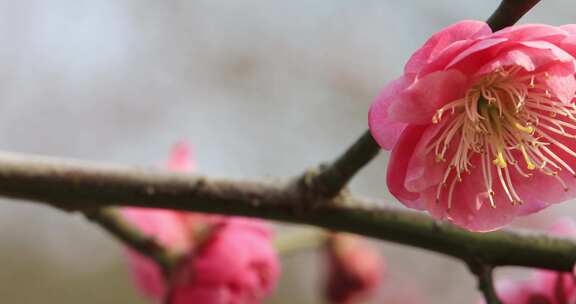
(499, 161)
(529, 164)
(528, 129)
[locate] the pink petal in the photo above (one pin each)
(181, 158)
(527, 57)
(440, 62)
(508, 39)
(463, 30)
(530, 55)
(423, 170)
(541, 191)
(563, 227)
(191, 294)
(569, 45)
(398, 164)
(165, 227)
(236, 265)
(478, 53)
(420, 101)
(527, 32)
(561, 82)
(355, 270)
(554, 51)
(470, 205)
(511, 292)
(385, 130)
(570, 28)
(146, 275)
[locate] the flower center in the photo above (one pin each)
(507, 118)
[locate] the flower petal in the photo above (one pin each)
(530, 55)
(423, 170)
(181, 158)
(467, 29)
(385, 130)
(561, 82)
(470, 204)
(398, 164)
(527, 32)
(570, 28)
(420, 101)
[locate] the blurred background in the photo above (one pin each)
(261, 88)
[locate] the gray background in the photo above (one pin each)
(261, 88)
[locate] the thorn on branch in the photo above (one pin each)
(509, 12)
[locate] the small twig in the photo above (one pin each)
(111, 221)
(483, 273)
(509, 12)
(332, 178)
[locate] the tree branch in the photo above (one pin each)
(331, 179)
(484, 273)
(111, 221)
(82, 186)
(509, 12)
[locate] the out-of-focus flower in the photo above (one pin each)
(236, 265)
(482, 125)
(165, 227)
(545, 287)
(227, 260)
(355, 270)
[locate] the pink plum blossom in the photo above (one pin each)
(227, 260)
(544, 286)
(355, 269)
(236, 265)
(481, 125)
(166, 228)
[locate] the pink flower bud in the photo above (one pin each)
(355, 269)
(236, 265)
(228, 260)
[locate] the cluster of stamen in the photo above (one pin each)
(512, 122)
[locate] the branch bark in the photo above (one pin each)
(509, 12)
(85, 186)
(332, 178)
(484, 273)
(111, 221)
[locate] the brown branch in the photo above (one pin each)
(509, 12)
(111, 221)
(484, 274)
(84, 186)
(332, 178)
